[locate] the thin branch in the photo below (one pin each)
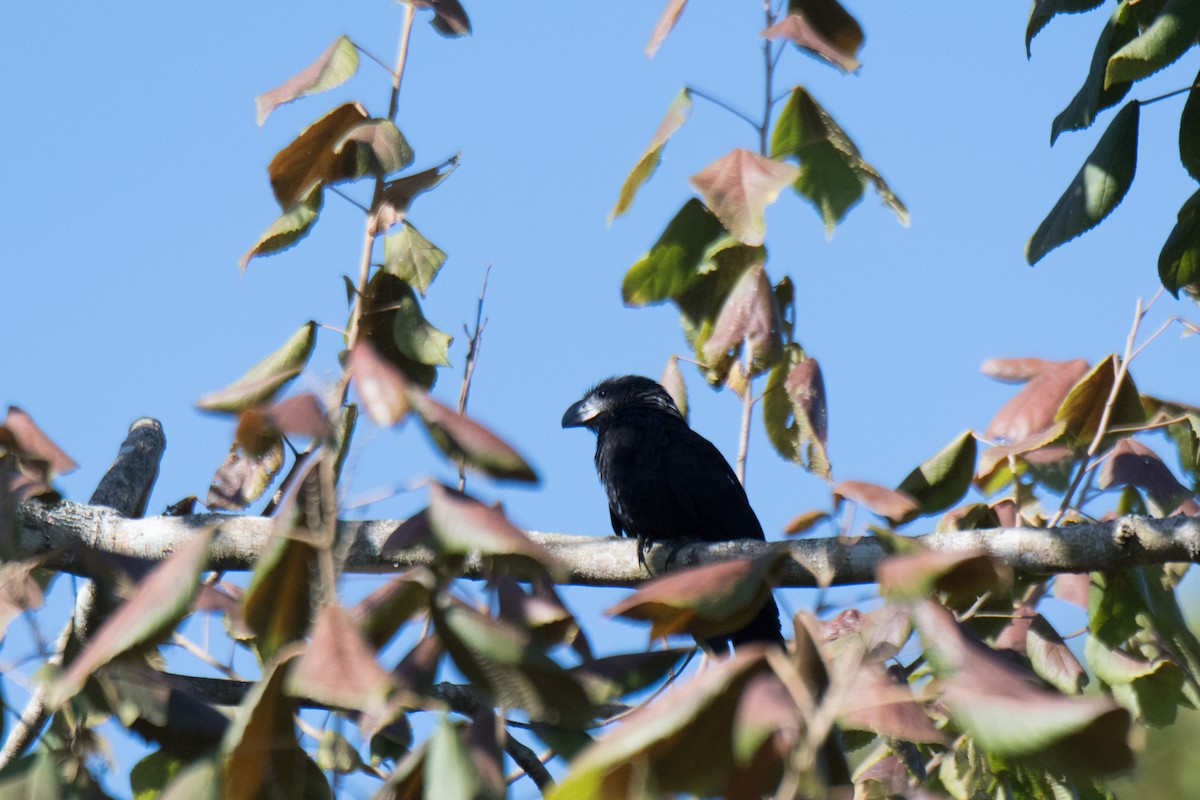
(473, 343)
(1169, 94)
(374, 58)
(749, 120)
(349, 199)
(528, 761)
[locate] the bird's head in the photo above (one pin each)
(615, 395)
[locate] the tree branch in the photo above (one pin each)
(66, 533)
(124, 489)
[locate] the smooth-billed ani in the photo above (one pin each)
(666, 482)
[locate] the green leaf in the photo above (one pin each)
(290, 227)
(794, 412)
(448, 766)
(832, 172)
(750, 317)
(378, 145)
(151, 775)
(332, 68)
(1044, 10)
(162, 599)
(399, 194)
(412, 258)
(199, 780)
(677, 114)
(32, 777)
(264, 379)
(607, 679)
(942, 480)
(1083, 406)
(962, 576)
(383, 297)
(415, 337)
(1152, 690)
(279, 599)
(1093, 96)
(336, 754)
(1171, 34)
(1096, 190)
(1179, 261)
(676, 260)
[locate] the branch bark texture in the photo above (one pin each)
(64, 535)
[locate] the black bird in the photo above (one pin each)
(665, 481)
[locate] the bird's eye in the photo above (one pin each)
(602, 393)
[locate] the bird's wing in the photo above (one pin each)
(617, 526)
(708, 491)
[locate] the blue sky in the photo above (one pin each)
(135, 178)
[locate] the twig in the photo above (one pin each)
(528, 761)
(473, 343)
(749, 120)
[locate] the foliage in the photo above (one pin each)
(955, 684)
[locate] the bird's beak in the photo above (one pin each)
(580, 414)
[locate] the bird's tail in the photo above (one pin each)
(763, 628)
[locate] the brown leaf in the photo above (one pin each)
(802, 523)
(1032, 409)
(449, 17)
(398, 195)
(300, 415)
(881, 702)
(748, 315)
(704, 601)
(962, 576)
(1131, 463)
(381, 613)
(672, 380)
(381, 387)
(31, 442)
(338, 668)
(822, 27)
(894, 506)
(332, 67)
(666, 23)
(161, 600)
(469, 443)
(18, 590)
(310, 160)
(462, 525)
(738, 187)
(242, 478)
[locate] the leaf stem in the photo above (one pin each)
(722, 104)
(1168, 94)
(473, 343)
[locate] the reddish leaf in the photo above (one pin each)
(381, 613)
(332, 68)
(300, 415)
(822, 27)
(1052, 659)
(461, 525)
(243, 477)
(738, 187)
(1032, 409)
(666, 23)
(1073, 587)
(612, 677)
(539, 611)
(794, 411)
(469, 443)
(398, 195)
(1016, 370)
(962, 576)
(894, 506)
(381, 387)
(704, 601)
(18, 591)
(1041, 442)
(31, 442)
(749, 315)
(338, 667)
(161, 600)
(1009, 713)
(1131, 463)
(883, 703)
(278, 602)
